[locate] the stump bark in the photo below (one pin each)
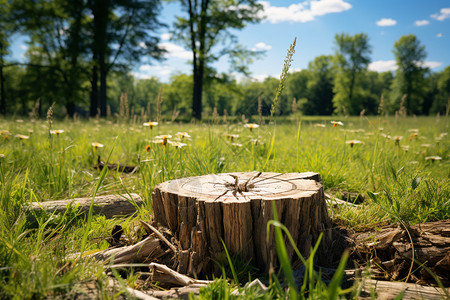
(203, 211)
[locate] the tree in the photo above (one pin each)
(352, 58)
(263, 92)
(56, 43)
(296, 87)
(116, 32)
(208, 24)
(320, 86)
(441, 95)
(410, 75)
(221, 93)
(178, 93)
(122, 33)
(5, 31)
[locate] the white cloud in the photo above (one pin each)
(390, 65)
(439, 35)
(261, 46)
(166, 36)
(142, 45)
(148, 71)
(260, 77)
(175, 50)
(386, 22)
(432, 64)
(421, 22)
(444, 14)
(383, 66)
(303, 12)
(23, 47)
(294, 70)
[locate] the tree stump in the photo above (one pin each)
(235, 207)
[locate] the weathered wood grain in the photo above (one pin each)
(203, 211)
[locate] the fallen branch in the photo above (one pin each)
(116, 167)
(148, 249)
(390, 290)
(134, 293)
(333, 201)
(163, 274)
(149, 228)
(392, 251)
(108, 205)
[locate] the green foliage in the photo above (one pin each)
(207, 26)
(352, 59)
(178, 94)
(320, 87)
(410, 75)
(33, 256)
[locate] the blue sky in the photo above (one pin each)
(315, 24)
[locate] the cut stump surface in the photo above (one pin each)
(235, 207)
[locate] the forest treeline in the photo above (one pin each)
(81, 54)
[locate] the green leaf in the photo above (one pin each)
(373, 196)
(335, 285)
(399, 171)
(283, 256)
(415, 183)
(235, 278)
(389, 197)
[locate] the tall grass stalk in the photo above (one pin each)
(284, 73)
(91, 207)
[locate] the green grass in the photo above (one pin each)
(399, 185)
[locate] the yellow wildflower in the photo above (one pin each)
(251, 126)
(433, 158)
(97, 145)
(162, 139)
(22, 137)
(177, 144)
(57, 132)
(182, 135)
(150, 124)
(397, 139)
(354, 142)
(337, 123)
(232, 136)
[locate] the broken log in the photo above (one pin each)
(391, 290)
(163, 274)
(116, 167)
(108, 205)
(395, 251)
(146, 250)
(203, 211)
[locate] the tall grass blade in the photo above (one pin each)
(235, 278)
(91, 207)
(282, 254)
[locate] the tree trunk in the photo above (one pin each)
(100, 11)
(103, 87)
(94, 88)
(2, 90)
(2, 83)
(203, 211)
(197, 95)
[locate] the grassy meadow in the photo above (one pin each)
(399, 166)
